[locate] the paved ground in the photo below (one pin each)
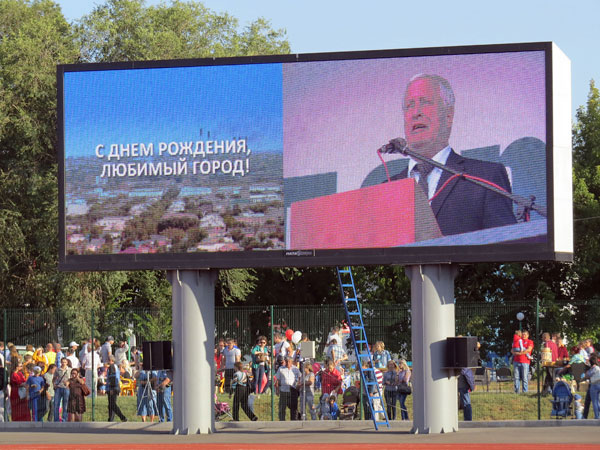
(563, 435)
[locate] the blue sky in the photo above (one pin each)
(180, 105)
(335, 25)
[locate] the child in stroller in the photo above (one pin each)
(350, 398)
(562, 399)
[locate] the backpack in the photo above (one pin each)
(113, 384)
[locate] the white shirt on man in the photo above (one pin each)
(86, 362)
(287, 377)
(74, 361)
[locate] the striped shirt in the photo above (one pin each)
(379, 376)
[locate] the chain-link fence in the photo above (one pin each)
(493, 324)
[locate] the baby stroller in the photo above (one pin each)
(562, 400)
(222, 410)
(350, 399)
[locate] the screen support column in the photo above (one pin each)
(193, 350)
(435, 404)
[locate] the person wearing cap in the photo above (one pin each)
(73, 346)
(106, 350)
(286, 380)
(35, 387)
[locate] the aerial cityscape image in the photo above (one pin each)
(190, 172)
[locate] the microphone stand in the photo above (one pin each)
(525, 204)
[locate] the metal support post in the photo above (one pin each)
(537, 360)
(271, 374)
(193, 350)
(435, 403)
(94, 371)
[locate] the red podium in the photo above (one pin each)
(385, 215)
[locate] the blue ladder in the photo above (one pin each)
(359, 340)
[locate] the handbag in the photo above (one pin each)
(85, 390)
(22, 392)
(404, 388)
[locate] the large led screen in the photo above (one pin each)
(414, 156)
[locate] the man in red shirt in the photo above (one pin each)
(331, 379)
(521, 361)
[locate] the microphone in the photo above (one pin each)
(399, 145)
(396, 145)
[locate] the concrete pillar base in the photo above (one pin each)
(435, 401)
(193, 344)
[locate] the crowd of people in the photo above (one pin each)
(327, 390)
(52, 383)
(561, 364)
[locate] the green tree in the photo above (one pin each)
(586, 194)
(126, 30)
(295, 286)
(34, 38)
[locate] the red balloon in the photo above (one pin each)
(289, 333)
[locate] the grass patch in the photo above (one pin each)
(487, 406)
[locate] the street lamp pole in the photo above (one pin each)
(520, 317)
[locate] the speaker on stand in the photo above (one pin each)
(157, 355)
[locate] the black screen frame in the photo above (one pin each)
(503, 252)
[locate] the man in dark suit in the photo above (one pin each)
(458, 205)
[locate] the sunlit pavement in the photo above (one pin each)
(576, 435)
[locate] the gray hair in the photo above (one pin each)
(446, 92)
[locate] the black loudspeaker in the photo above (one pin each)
(462, 352)
(157, 355)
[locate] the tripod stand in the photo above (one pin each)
(148, 395)
(303, 378)
(148, 398)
